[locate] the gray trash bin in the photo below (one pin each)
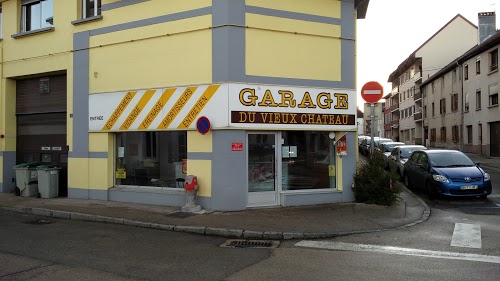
(27, 179)
(48, 181)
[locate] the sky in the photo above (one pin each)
(393, 29)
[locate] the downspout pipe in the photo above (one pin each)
(461, 143)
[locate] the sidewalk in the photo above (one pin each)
(486, 162)
(306, 222)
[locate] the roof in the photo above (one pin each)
(361, 6)
(474, 51)
(412, 59)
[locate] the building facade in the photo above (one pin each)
(130, 96)
(462, 98)
(452, 40)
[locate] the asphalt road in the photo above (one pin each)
(31, 249)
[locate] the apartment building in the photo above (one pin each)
(461, 100)
(454, 38)
(127, 96)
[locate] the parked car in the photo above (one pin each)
(386, 147)
(360, 142)
(364, 148)
(399, 156)
(446, 172)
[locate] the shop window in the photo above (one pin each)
(309, 168)
(36, 15)
(91, 8)
(151, 158)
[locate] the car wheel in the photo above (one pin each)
(484, 196)
(430, 191)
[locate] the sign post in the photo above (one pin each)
(372, 92)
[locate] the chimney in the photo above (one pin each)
(487, 25)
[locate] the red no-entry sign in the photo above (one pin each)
(372, 92)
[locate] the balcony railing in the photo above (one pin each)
(395, 124)
(394, 107)
(417, 78)
(387, 127)
(417, 117)
(417, 96)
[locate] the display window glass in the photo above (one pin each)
(308, 160)
(151, 158)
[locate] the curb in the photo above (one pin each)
(211, 231)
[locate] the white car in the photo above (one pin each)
(399, 156)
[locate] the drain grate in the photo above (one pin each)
(40, 222)
(180, 215)
(250, 244)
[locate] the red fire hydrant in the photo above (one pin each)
(191, 187)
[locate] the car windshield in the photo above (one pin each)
(450, 159)
(407, 151)
(390, 146)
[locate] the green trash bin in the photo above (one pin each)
(48, 181)
(27, 179)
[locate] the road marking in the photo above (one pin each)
(466, 235)
(396, 251)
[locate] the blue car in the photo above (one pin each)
(446, 172)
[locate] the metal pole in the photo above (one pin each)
(372, 126)
(333, 182)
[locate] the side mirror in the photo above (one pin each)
(478, 164)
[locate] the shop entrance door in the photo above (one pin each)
(263, 169)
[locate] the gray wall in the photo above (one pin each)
(9, 160)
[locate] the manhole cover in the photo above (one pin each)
(250, 244)
(40, 222)
(180, 215)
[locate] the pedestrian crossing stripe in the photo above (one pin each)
(165, 97)
(198, 107)
(137, 109)
(178, 106)
(119, 110)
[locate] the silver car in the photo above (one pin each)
(399, 156)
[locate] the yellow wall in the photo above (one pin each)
(272, 48)
(153, 59)
(197, 142)
(325, 8)
(202, 169)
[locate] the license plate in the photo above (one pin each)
(469, 187)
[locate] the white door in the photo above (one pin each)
(263, 169)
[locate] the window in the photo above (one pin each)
(478, 66)
(433, 135)
(442, 106)
(443, 134)
(91, 8)
(454, 134)
(466, 72)
(493, 60)
(469, 134)
(146, 163)
(425, 111)
(493, 89)
(454, 102)
(466, 103)
(433, 114)
(478, 100)
(36, 14)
